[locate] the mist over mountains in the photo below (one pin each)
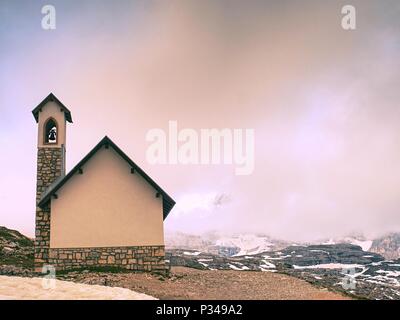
(238, 244)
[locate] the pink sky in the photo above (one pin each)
(324, 104)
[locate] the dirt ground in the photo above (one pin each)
(186, 283)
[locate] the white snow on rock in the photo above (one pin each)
(247, 243)
(390, 273)
(266, 265)
(202, 262)
(187, 253)
(330, 266)
(317, 250)
(18, 288)
(276, 258)
(365, 245)
(238, 268)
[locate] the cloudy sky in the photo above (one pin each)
(323, 101)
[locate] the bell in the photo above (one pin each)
(52, 135)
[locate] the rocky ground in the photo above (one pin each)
(193, 284)
(16, 253)
(295, 272)
(341, 268)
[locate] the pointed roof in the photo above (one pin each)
(168, 202)
(52, 97)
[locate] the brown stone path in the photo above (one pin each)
(187, 283)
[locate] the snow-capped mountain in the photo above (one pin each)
(251, 244)
(247, 244)
(223, 244)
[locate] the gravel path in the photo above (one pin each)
(188, 283)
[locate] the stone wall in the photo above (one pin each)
(142, 258)
(50, 166)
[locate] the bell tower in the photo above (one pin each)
(52, 117)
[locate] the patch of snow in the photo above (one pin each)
(375, 282)
(268, 270)
(389, 273)
(237, 268)
(187, 253)
(277, 258)
(364, 244)
(316, 250)
(204, 260)
(384, 280)
(267, 265)
(18, 288)
(330, 266)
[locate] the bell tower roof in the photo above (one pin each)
(52, 97)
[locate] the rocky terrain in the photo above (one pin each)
(341, 267)
(16, 252)
(388, 246)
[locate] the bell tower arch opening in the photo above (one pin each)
(50, 131)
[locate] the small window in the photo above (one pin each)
(50, 132)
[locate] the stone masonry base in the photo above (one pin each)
(141, 258)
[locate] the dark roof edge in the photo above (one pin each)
(168, 202)
(52, 97)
